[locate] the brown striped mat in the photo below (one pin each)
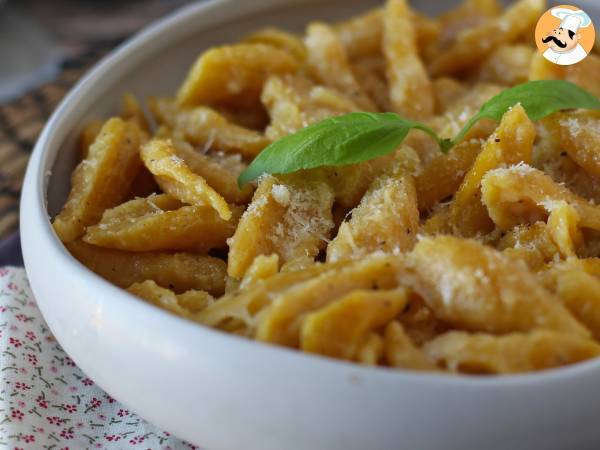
(21, 122)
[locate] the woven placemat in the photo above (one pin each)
(21, 122)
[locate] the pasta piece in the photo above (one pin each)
(532, 244)
(512, 353)
(400, 352)
(158, 296)
(279, 39)
(195, 300)
(540, 243)
(427, 31)
(281, 321)
(299, 263)
(590, 265)
(370, 352)
(469, 14)
(362, 35)
(370, 74)
(252, 237)
(579, 291)
(328, 64)
(446, 91)
(387, 219)
(444, 174)
(233, 74)
(563, 224)
(578, 133)
(460, 111)
(338, 329)
(579, 74)
(220, 171)
(542, 69)
(232, 285)
(507, 65)
(101, 180)
(177, 271)
(307, 219)
(350, 182)
(206, 128)
(511, 143)
(521, 193)
(143, 184)
(160, 222)
(183, 305)
(439, 221)
(474, 287)
(472, 45)
(88, 135)
(176, 178)
(262, 267)
(246, 306)
(411, 94)
(550, 157)
(289, 216)
(133, 112)
(294, 102)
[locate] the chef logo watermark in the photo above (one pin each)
(565, 35)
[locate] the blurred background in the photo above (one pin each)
(45, 47)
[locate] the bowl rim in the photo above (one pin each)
(34, 213)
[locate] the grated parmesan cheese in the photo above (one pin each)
(281, 194)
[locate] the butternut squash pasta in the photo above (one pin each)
(483, 260)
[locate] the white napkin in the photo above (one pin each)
(46, 401)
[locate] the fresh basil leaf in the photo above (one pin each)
(539, 98)
(362, 136)
(348, 139)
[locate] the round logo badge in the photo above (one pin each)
(565, 35)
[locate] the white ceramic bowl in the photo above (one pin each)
(226, 393)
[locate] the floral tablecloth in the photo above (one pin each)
(46, 401)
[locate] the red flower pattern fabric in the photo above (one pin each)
(46, 401)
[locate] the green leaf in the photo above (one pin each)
(539, 98)
(348, 139)
(362, 136)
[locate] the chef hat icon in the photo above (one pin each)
(571, 19)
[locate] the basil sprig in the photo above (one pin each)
(336, 141)
(539, 98)
(362, 136)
